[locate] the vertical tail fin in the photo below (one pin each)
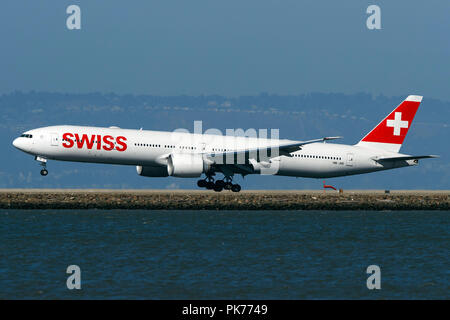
(390, 133)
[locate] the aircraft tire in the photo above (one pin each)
(228, 186)
(236, 188)
(201, 183)
(220, 183)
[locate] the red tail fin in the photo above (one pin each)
(390, 133)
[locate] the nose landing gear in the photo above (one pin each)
(219, 185)
(43, 163)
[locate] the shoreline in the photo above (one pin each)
(209, 200)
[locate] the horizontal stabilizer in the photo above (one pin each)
(406, 158)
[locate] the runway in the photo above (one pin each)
(210, 200)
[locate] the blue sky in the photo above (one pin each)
(226, 47)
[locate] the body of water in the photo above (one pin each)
(224, 254)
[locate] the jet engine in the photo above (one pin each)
(186, 165)
(147, 171)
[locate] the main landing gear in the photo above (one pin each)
(219, 185)
(43, 163)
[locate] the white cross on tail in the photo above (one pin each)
(397, 123)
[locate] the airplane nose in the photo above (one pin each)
(15, 142)
(18, 143)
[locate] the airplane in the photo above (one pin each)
(189, 155)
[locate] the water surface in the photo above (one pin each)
(224, 254)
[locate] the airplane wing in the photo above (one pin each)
(406, 158)
(268, 152)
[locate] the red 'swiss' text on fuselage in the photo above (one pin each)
(69, 140)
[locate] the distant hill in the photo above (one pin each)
(302, 117)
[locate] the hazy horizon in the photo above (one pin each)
(228, 48)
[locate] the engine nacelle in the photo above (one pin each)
(148, 171)
(270, 167)
(185, 165)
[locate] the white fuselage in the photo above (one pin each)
(152, 148)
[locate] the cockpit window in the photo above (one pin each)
(25, 135)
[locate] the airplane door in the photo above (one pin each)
(350, 159)
(54, 139)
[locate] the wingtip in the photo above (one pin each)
(333, 138)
